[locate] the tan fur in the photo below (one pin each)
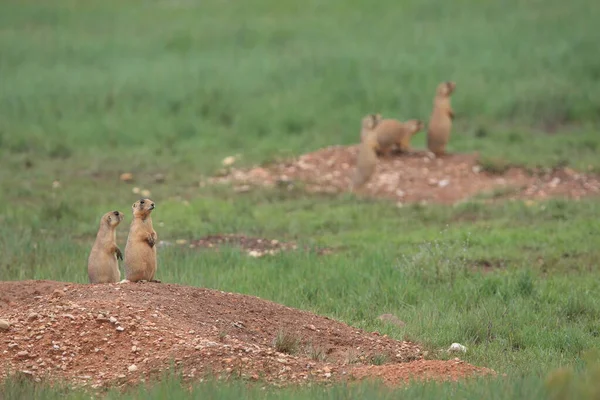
(392, 133)
(366, 162)
(140, 250)
(103, 264)
(368, 123)
(440, 122)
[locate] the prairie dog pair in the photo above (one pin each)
(140, 250)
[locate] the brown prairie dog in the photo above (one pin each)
(140, 250)
(366, 162)
(103, 264)
(440, 122)
(368, 123)
(391, 132)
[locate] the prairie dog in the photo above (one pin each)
(103, 264)
(366, 162)
(140, 250)
(391, 132)
(440, 122)
(368, 123)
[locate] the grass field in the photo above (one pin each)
(92, 89)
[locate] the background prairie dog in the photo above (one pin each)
(140, 250)
(391, 133)
(103, 264)
(366, 162)
(368, 123)
(440, 122)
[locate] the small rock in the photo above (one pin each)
(228, 161)
(457, 347)
(312, 327)
(112, 320)
(70, 316)
(23, 354)
(4, 325)
(444, 183)
(58, 293)
(254, 253)
(32, 316)
(132, 368)
(328, 375)
(391, 319)
(159, 178)
(120, 328)
(126, 177)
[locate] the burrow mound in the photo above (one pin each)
(115, 335)
(416, 177)
(253, 246)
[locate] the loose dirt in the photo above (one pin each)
(253, 246)
(416, 177)
(98, 336)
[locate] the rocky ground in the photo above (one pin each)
(417, 177)
(100, 336)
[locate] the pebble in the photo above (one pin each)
(457, 347)
(126, 177)
(120, 328)
(112, 320)
(132, 368)
(4, 325)
(32, 316)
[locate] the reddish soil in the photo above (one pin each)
(416, 177)
(115, 335)
(254, 246)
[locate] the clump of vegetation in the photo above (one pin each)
(286, 342)
(494, 165)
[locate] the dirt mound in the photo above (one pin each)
(417, 177)
(105, 335)
(254, 246)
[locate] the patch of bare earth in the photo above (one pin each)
(416, 177)
(254, 246)
(115, 335)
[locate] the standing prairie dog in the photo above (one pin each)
(368, 123)
(140, 250)
(366, 162)
(103, 264)
(391, 132)
(440, 122)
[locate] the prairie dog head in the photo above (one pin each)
(142, 208)
(414, 125)
(370, 121)
(445, 89)
(112, 218)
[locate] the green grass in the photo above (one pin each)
(92, 89)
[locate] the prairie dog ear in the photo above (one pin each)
(109, 218)
(133, 205)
